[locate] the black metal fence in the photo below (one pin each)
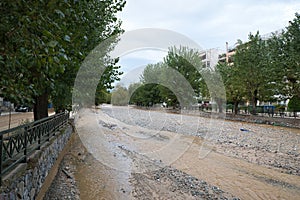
(18, 143)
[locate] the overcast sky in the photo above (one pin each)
(210, 23)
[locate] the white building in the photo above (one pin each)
(210, 57)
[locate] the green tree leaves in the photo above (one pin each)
(119, 96)
(251, 63)
(43, 44)
(265, 69)
(176, 81)
(294, 105)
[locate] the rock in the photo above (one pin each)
(21, 189)
(32, 193)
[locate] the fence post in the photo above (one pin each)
(25, 144)
(48, 131)
(39, 136)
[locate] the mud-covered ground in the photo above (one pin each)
(268, 145)
(124, 153)
(162, 183)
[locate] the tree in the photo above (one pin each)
(43, 44)
(285, 55)
(264, 68)
(120, 96)
(150, 90)
(102, 96)
(294, 105)
(291, 56)
(134, 94)
(253, 69)
(110, 75)
(187, 62)
(177, 80)
(235, 92)
(146, 95)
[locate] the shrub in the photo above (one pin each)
(294, 105)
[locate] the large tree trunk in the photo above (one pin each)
(40, 108)
(236, 107)
(254, 106)
(254, 102)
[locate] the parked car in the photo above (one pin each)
(22, 108)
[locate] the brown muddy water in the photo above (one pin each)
(116, 151)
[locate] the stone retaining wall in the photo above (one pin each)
(276, 121)
(26, 180)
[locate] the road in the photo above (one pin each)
(16, 119)
(137, 154)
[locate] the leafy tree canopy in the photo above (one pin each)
(43, 43)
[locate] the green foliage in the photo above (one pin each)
(120, 96)
(110, 75)
(294, 104)
(102, 96)
(247, 78)
(252, 66)
(235, 91)
(43, 44)
(188, 63)
(151, 94)
(264, 69)
(175, 81)
(156, 86)
(289, 65)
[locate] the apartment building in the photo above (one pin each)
(210, 57)
(230, 50)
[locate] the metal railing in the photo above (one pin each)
(18, 143)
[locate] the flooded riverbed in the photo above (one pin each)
(130, 160)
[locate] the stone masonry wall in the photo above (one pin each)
(26, 180)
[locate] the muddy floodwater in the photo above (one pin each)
(138, 154)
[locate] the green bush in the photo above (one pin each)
(294, 105)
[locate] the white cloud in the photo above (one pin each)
(210, 23)
(134, 63)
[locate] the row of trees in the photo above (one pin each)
(177, 80)
(182, 79)
(263, 69)
(43, 43)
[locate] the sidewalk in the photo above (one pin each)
(7, 113)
